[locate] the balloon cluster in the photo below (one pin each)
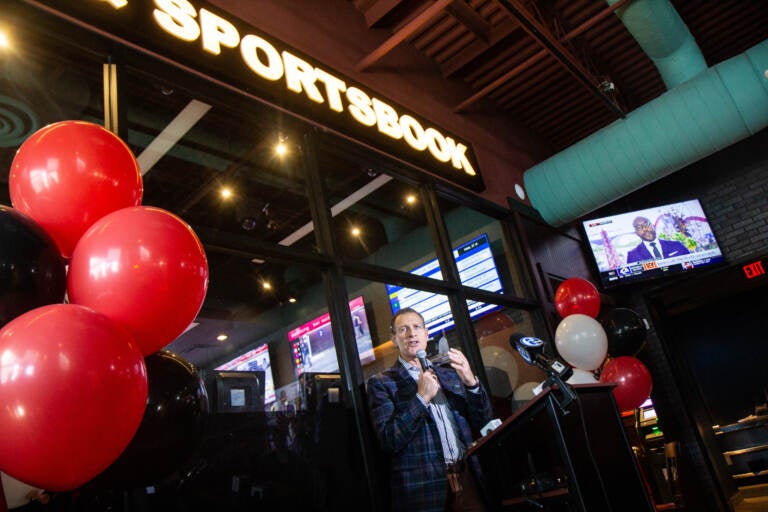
(607, 342)
(73, 378)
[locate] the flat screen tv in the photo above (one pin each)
(312, 346)
(254, 360)
(476, 269)
(652, 242)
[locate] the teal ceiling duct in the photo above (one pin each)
(708, 110)
(664, 36)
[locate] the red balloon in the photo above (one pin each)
(144, 268)
(576, 295)
(633, 379)
(73, 387)
(67, 175)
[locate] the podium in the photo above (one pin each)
(554, 457)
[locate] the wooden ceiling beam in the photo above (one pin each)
(410, 28)
(469, 17)
(552, 46)
(485, 91)
(379, 9)
(541, 34)
(477, 48)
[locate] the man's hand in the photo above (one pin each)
(461, 365)
(428, 385)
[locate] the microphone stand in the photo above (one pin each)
(567, 393)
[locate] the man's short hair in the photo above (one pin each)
(641, 220)
(401, 312)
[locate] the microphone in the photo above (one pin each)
(425, 364)
(532, 350)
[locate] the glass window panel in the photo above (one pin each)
(295, 327)
(248, 321)
(377, 218)
(43, 81)
(505, 368)
(483, 256)
(304, 424)
(379, 308)
(223, 171)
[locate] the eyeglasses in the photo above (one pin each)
(404, 329)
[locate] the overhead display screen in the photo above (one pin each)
(477, 269)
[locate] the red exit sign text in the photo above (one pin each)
(755, 269)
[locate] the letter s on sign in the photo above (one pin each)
(177, 17)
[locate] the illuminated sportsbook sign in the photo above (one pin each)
(204, 38)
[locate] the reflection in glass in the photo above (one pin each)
(465, 226)
(386, 213)
(476, 268)
(509, 376)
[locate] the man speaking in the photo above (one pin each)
(650, 247)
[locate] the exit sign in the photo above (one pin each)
(755, 269)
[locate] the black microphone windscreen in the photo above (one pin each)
(515, 338)
(422, 355)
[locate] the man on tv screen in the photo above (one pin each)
(650, 247)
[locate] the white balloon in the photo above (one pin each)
(16, 492)
(581, 341)
(582, 377)
(501, 358)
(525, 391)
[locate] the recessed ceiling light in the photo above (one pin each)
(410, 199)
(355, 231)
(226, 192)
(292, 300)
(222, 337)
(281, 148)
(266, 285)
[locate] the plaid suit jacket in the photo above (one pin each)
(407, 432)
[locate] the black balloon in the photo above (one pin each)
(170, 430)
(32, 271)
(625, 330)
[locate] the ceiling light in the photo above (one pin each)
(222, 337)
(410, 199)
(4, 42)
(266, 285)
(281, 148)
(292, 300)
(226, 193)
(355, 231)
